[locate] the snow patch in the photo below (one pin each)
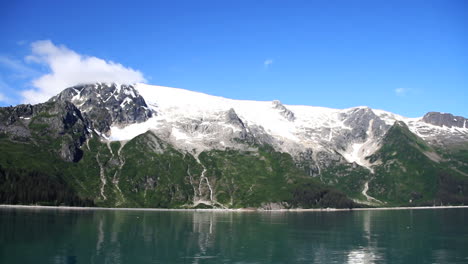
(125, 102)
(129, 92)
(179, 134)
(358, 152)
(128, 132)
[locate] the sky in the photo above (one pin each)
(408, 57)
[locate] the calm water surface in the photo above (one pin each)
(66, 236)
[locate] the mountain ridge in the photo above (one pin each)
(202, 134)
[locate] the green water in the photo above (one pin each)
(65, 236)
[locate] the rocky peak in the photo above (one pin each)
(10, 115)
(445, 119)
(107, 104)
(232, 118)
(285, 112)
(364, 122)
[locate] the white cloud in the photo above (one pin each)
(401, 91)
(267, 63)
(68, 68)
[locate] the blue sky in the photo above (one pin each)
(408, 57)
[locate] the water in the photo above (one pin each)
(401, 236)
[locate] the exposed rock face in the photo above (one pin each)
(14, 120)
(233, 118)
(360, 120)
(107, 104)
(445, 119)
(285, 112)
(306, 160)
(364, 124)
(242, 132)
(59, 120)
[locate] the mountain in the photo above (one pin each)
(150, 146)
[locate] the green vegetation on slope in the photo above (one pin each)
(33, 175)
(254, 178)
(55, 161)
(348, 178)
(410, 173)
(147, 172)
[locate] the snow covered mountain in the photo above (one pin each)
(348, 149)
(196, 122)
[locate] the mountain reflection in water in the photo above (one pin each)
(88, 236)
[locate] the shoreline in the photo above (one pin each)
(72, 208)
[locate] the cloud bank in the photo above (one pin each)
(68, 68)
